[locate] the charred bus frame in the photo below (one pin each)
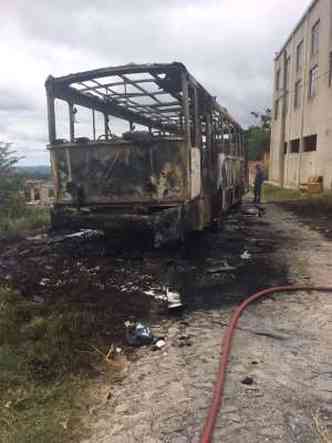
(177, 176)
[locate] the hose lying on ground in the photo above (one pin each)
(218, 391)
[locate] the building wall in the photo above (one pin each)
(313, 115)
(39, 193)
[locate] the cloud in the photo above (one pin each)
(227, 45)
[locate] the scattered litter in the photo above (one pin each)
(44, 281)
(64, 424)
(37, 237)
(246, 255)
(138, 334)
(84, 234)
(160, 344)
(157, 293)
(173, 299)
(251, 211)
(256, 211)
(224, 267)
(248, 381)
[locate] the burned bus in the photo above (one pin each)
(178, 167)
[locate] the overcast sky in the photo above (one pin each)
(228, 45)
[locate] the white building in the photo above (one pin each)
(301, 139)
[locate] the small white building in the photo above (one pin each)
(39, 193)
(301, 138)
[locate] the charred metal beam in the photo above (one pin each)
(68, 93)
(94, 124)
(71, 122)
(185, 106)
(124, 69)
(124, 97)
(166, 104)
(140, 88)
(120, 83)
(51, 109)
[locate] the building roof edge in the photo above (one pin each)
(299, 23)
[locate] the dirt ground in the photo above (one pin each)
(283, 345)
(279, 384)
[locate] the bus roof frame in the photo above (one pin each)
(86, 89)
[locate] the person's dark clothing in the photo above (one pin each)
(259, 180)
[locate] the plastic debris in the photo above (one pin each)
(157, 293)
(44, 281)
(160, 344)
(256, 211)
(173, 299)
(224, 267)
(138, 334)
(83, 234)
(246, 255)
(251, 211)
(38, 237)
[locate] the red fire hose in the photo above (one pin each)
(218, 392)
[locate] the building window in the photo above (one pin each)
(315, 39)
(295, 146)
(27, 195)
(330, 70)
(36, 195)
(285, 147)
(297, 94)
(299, 56)
(313, 81)
(310, 143)
(276, 110)
(278, 80)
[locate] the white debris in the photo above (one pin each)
(173, 299)
(251, 211)
(246, 255)
(44, 281)
(157, 293)
(160, 344)
(223, 267)
(85, 233)
(37, 237)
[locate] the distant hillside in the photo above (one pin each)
(39, 171)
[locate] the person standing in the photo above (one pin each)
(259, 180)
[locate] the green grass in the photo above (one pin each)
(275, 194)
(45, 362)
(12, 225)
(309, 203)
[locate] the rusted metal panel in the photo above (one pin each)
(121, 172)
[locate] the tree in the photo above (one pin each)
(10, 181)
(259, 135)
(265, 118)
